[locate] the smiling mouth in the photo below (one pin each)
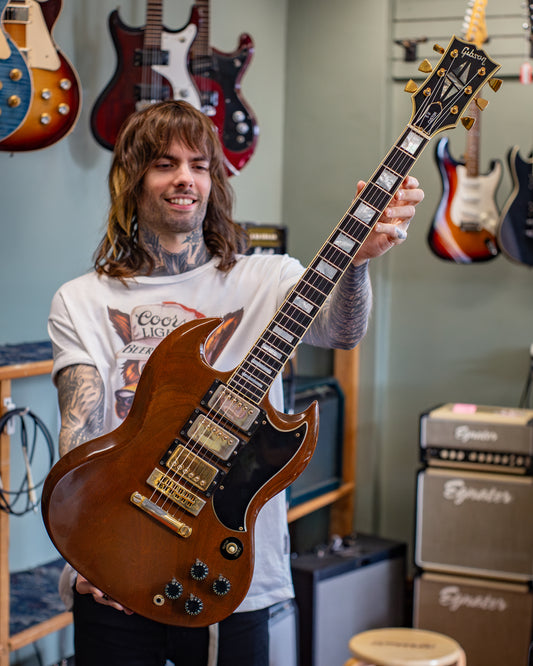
(181, 201)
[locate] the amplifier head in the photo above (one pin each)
(470, 436)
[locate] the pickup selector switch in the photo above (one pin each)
(193, 605)
(199, 570)
(221, 586)
(173, 590)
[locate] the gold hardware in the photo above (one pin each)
(191, 467)
(215, 438)
(15, 74)
(63, 109)
(438, 48)
(425, 66)
(410, 86)
(160, 514)
(441, 72)
(454, 110)
(236, 409)
(481, 103)
(427, 92)
(13, 101)
(46, 93)
(481, 71)
(174, 491)
(158, 599)
(468, 90)
(467, 122)
(495, 84)
(45, 119)
(65, 84)
(454, 53)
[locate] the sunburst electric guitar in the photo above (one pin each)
(160, 513)
(56, 98)
(465, 224)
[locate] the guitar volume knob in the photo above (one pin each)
(173, 590)
(194, 605)
(221, 586)
(199, 570)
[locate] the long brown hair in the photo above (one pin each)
(144, 138)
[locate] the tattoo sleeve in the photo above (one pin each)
(81, 402)
(343, 320)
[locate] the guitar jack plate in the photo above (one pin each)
(159, 600)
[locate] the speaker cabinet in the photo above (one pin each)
(283, 632)
(490, 619)
(340, 594)
(474, 523)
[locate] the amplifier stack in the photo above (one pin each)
(474, 536)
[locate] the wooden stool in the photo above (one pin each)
(404, 647)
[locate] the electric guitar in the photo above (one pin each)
(160, 513)
(515, 233)
(15, 83)
(218, 78)
(56, 98)
(151, 66)
(465, 224)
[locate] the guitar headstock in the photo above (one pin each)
(475, 29)
(441, 100)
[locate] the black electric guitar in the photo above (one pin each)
(160, 513)
(465, 224)
(151, 67)
(16, 87)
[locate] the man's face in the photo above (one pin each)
(175, 193)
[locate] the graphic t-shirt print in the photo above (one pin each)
(142, 330)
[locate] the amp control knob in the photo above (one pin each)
(221, 586)
(199, 570)
(173, 590)
(193, 605)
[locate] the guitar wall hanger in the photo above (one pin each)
(409, 46)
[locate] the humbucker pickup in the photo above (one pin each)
(233, 407)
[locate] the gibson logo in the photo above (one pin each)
(452, 598)
(458, 492)
(469, 52)
(465, 435)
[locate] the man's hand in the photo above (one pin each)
(84, 587)
(391, 228)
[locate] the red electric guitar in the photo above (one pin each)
(465, 224)
(151, 66)
(160, 513)
(56, 96)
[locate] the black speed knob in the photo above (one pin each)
(199, 570)
(193, 605)
(221, 586)
(173, 590)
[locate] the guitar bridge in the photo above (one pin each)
(161, 515)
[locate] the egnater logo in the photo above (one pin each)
(474, 55)
(457, 492)
(454, 599)
(465, 434)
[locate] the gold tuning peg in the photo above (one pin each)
(438, 48)
(467, 122)
(495, 84)
(425, 66)
(410, 86)
(481, 103)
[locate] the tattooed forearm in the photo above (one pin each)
(194, 253)
(343, 320)
(81, 402)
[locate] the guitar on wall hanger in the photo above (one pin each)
(515, 233)
(218, 78)
(465, 224)
(160, 513)
(151, 67)
(56, 99)
(16, 86)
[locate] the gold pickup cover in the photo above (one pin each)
(191, 467)
(175, 492)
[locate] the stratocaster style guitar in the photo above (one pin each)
(160, 513)
(151, 66)
(56, 99)
(15, 83)
(465, 224)
(515, 233)
(218, 78)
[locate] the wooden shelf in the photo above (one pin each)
(16, 641)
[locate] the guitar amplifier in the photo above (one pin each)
(474, 523)
(340, 593)
(498, 439)
(491, 620)
(265, 238)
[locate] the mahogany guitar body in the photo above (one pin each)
(168, 564)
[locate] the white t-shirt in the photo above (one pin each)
(99, 321)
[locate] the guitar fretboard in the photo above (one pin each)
(154, 24)
(200, 47)
(256, 373)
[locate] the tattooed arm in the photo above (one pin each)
(80, 393)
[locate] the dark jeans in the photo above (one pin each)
(104, 636)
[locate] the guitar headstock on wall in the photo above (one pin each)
(474, 25)
(441, 100)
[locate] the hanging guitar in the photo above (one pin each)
(160, 513)
(515, 233)
(151, 66)
(218, 78)
(465, 224)
(56, 98)
(16, 86)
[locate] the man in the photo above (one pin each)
(170, 255)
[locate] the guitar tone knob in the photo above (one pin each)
(65, 84)
(238, 116)
(221, 586)
(242, 128)
(45, 119)
(63, 109)
(199, 570)
(13, 101)
(15, 74)
(194, 605)
(173, 590)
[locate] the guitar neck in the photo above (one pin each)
(267, 357)
(201, 47)
(473, 142)
(154, 24)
